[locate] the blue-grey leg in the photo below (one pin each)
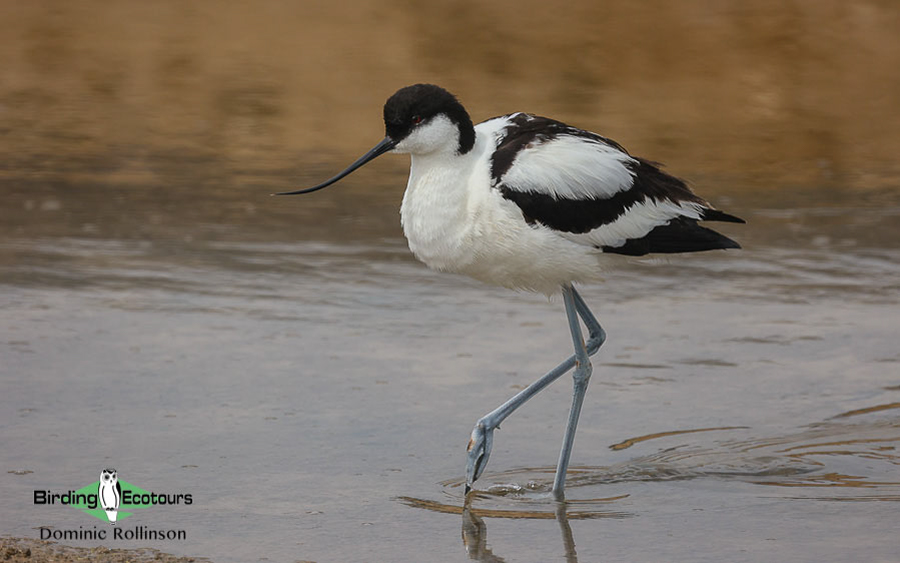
(481, 442)
(581, 377)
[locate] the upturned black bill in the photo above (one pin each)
(384, 146)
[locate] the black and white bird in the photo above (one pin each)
(109, 492)
(527, 202)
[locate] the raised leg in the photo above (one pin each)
(480, 443)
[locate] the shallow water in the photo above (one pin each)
(288, 363)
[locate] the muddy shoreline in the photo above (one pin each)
(21, 550)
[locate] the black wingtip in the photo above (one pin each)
(729, 243)
(716, 215)
(679, 235)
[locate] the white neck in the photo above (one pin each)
(435, 208)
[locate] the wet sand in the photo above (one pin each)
(22, 550)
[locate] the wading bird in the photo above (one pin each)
(527, 202)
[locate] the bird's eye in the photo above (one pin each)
(416, 119)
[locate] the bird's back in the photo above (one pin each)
(588, 189)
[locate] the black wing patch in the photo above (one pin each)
(678, 235)
(570, 215)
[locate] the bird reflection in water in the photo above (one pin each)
(474, 535)
(474, 519)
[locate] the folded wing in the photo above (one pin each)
(588, 189)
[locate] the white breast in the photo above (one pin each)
(434, 213)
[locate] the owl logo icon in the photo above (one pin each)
(110, 494)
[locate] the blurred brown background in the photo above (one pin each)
(771, 92)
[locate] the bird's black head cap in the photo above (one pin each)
(418, 103)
